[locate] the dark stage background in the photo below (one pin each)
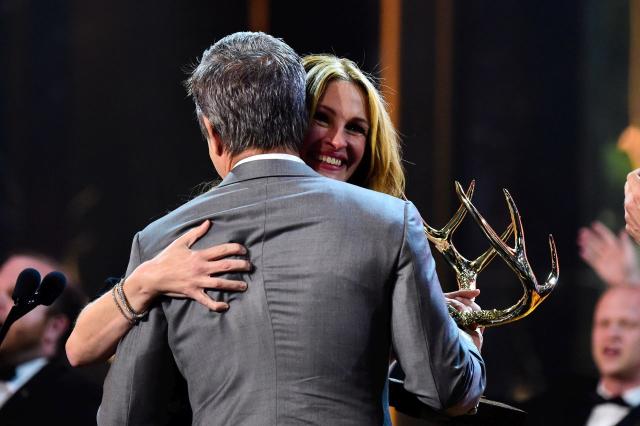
(98, 138)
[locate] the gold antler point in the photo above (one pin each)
(515, 257)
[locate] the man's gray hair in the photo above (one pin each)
(251, 87)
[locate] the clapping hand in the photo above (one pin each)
(611, 256)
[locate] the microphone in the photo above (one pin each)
(26, 285)
(51, 287)
(26, 297)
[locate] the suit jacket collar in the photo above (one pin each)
(267, 168)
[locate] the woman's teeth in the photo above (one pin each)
(330, 160)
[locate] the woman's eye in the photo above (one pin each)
(357, 128)
(321, 117)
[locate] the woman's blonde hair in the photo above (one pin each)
(381, 167)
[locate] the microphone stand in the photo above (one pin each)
(16, 312)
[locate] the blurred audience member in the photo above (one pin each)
(612, 257)
(632, 204)
(615, 346)
(37, 386)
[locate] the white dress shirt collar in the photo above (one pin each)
(630, 396)
(271, 156)
(24, 373)
(610, 414)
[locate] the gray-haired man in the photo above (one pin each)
(342, 276)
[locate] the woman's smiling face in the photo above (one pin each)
(337, 136)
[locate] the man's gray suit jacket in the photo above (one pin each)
(342, 276)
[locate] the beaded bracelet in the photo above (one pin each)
(135, 316)
(115, 300)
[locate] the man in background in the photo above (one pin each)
(36, 384)
(616, 352)
(615, 346)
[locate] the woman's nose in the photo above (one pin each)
(338, 140)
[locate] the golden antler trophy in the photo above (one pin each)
(515, 257)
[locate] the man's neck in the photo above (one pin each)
(616, 386)
(224, 163)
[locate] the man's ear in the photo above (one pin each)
(55, 327)
(213, 137)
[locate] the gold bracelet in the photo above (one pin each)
(135, 316)
(115, 300)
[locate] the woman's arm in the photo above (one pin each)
(177, 271)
